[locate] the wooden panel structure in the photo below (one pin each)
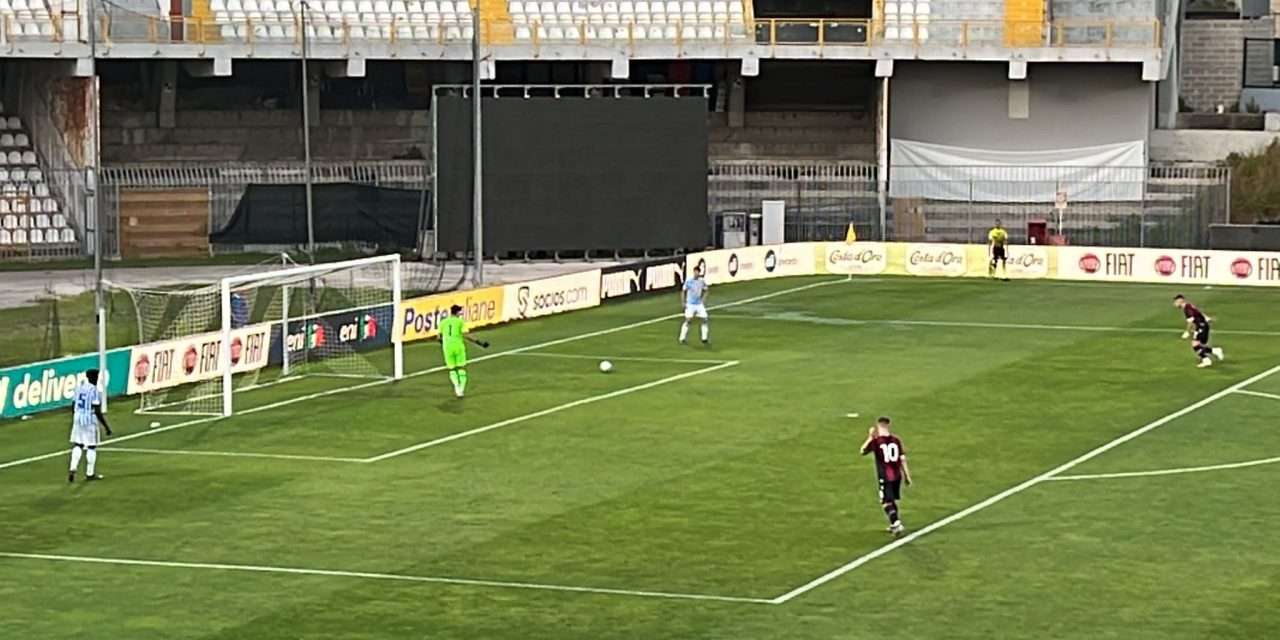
(164, 223)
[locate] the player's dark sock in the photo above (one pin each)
(891, 512)
(1203, 351)
(71, 476)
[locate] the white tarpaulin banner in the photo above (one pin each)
(1106, 173)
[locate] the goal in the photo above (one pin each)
(267, 338)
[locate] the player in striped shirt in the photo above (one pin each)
(891, 469)
(87, 404)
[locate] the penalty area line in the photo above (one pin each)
(1258, 394)
(369, 575)
(1016, 489)
(1168, 472)
(236, 454)
(546, 412)
(374, 383)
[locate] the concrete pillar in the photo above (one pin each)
(737, 98)
(167, 88)
(884, 71)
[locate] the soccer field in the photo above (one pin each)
(1076, 476)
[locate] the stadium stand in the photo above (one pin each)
(28, 19)
(442, 20)
(29, 212)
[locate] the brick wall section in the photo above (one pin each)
(1213, 60)
(133, 136)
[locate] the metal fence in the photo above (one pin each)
(1173, 206)
(43, 214)
(226, 183)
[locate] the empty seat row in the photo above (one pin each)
(12, 122)
(354, 32)
(339, 7)
(37, 236)
(36, 28)
(637, 32)
(32, 205)
(363, 19)
(906, 33)
(41, 221)
(17, 6)
(670, 7)
(17, 189)
(21, 175)
(907, 9)
(18, 157)
(619, 19)
(8, 140)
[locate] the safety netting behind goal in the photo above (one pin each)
(331, 324)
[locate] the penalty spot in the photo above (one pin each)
(851, 415)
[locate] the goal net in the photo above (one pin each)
(233, 345)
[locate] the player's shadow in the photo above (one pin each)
(452, 406)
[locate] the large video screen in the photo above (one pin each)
(575, 174)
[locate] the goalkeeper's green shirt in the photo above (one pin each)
(451, 330)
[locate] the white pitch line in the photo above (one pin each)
(533, 347)
(382, 576)
(574, 356)
(980, 325)
(235, 454)
(1258, 394)
(1168, 472)
(546, 412)
(1019, 488)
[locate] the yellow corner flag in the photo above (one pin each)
(852, 236)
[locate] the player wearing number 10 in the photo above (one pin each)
(891, 469)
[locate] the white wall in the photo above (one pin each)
(1068, 105)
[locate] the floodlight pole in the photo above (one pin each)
(306, 132)
(477, 138)
(91, 196)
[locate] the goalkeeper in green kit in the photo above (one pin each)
(453, 339)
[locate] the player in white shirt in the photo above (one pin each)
(695, 298)
(87, 404)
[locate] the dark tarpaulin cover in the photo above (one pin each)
(277, 214)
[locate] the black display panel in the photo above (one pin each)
(575, 174)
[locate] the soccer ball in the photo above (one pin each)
(606, 366)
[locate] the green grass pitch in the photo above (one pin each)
(698, 492)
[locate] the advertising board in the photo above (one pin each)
(1174, 266)
(754, 263)
(41, 386)
(929, 259)
(420, 317)
(857, 259)
(169, 363)
(355, 329)
(642, 277)
(552, 295)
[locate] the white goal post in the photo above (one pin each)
(307, 276)
(198, 347)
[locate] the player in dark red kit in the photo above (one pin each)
(891, 469)
(1198, 332)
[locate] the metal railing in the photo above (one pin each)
(227, 183)
(286, 29)
(1173, 207)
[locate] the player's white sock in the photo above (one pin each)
(91, 457)
(684, 331)
(706, 332)
(75, 457)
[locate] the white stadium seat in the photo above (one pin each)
(20, 236)
(5, 237)
(37, 236)
(60, 221)
(42, 221)
(9, 221)
(68, 236)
